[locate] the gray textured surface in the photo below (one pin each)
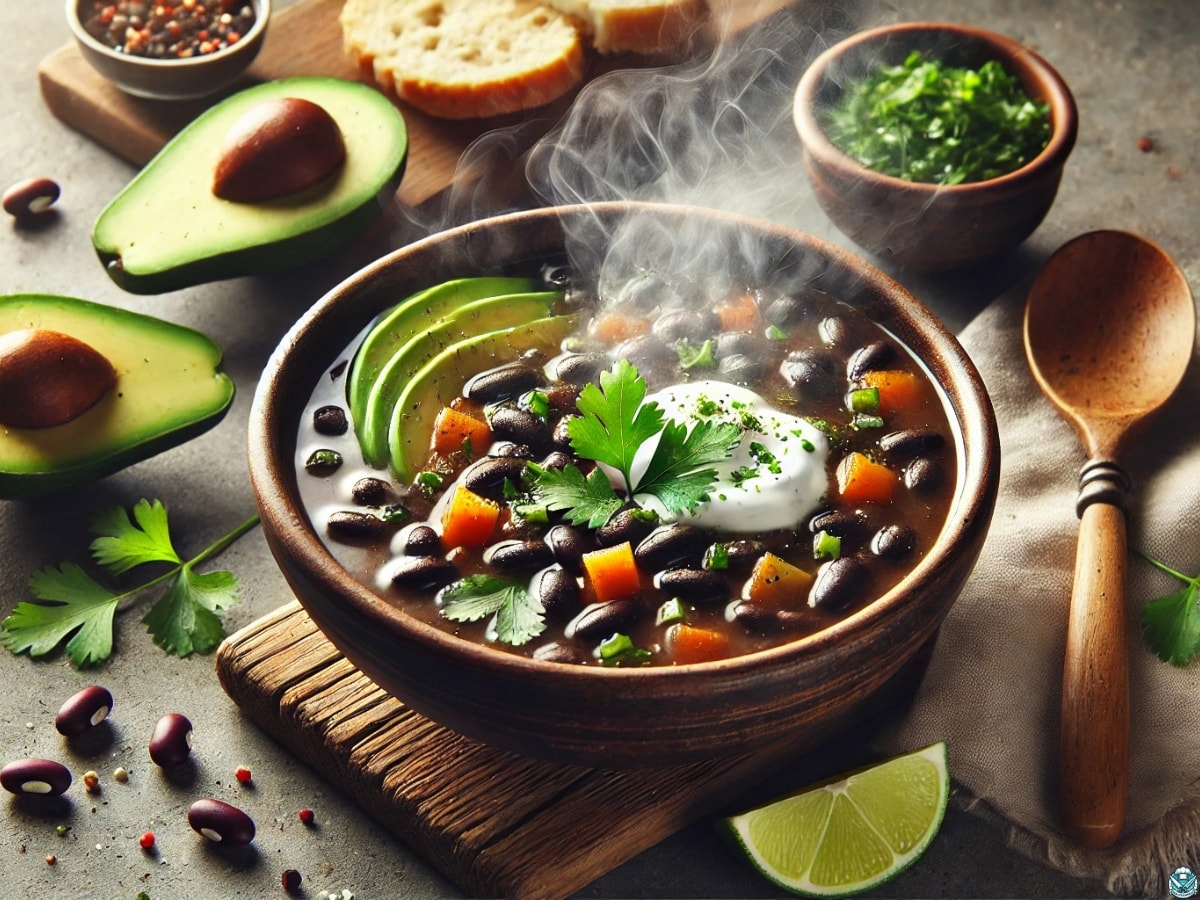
(1135, 70)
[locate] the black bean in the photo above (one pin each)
(838, 583)
(558, 591)
(894, 543)
(422, 573)
(631, 524)
(734, 555)
(696, 325)
(509, 450)
(670, 545)
(577, 368)
(834, 331)
(646, 293)
(741, 369)
(569, 544)
(518, 555)
(652, 357)
(744, 343)
(372, 492)
(561, 435)
(556, 459)
(812, 368)
(486, 476)
(911, 442)
(520, 426)
(421, 540)
(599, 620)
(849, 526)
(330, 420)
(171, 742)
(556, 652)
(352, 525)
(35, 776)
(789, 310)
(323, 463)
(221, 822)
(699, 586)
(501, 383)
(753, 616)
(923, 475)
(85, 708)
(875, 355)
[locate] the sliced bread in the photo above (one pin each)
(635, 26)
(461, 59)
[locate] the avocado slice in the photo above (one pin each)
(167, 229)
(441, 380)
(401, 322)
(488, 314)
(168, 390)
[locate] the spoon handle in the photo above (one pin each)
(1094, 744)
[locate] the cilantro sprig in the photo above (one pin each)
(71, 604)
(519, 616)
(1171, 624)
(614, 423)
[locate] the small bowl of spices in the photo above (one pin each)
(169, 49)
(934, 146)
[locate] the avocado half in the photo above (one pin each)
(169, 389)
(167, 230)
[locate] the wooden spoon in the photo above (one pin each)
(1109, 330)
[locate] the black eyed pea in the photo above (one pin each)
(35, 776)
(221, 822)
(28, 199)
(84, 709)
(171, 742)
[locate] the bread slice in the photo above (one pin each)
(463, 59)
(636, 26)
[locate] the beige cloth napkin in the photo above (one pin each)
(993, 685)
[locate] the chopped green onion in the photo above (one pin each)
(429, 482)
(716, 557)
(863, 400)
(862, 421)
(536, 402)
(620, 648)
(671, 611)
(826, 546)
(702, 357)
(775, 333)
(395, 513)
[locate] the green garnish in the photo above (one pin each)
(429, 482)
(775, 333)
(863, 400)
(826, 546)
(692, 357)
(536, 402)
(924, 121)
(671, 611)
(519, 617)
(613, 424)
(1171, 624)
(184, 620)
(716, 557)
(620, 648)
(862, 420)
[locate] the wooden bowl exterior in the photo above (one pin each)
(925, 227)
(615, 718)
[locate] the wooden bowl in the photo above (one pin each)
(926, 227)
(619, 717)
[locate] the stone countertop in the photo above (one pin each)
(1135, 71)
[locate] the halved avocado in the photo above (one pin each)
(168, 390)
(167, 229)
(442, 378)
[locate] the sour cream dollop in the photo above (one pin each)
(775, 477)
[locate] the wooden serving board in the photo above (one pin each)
(306, 39)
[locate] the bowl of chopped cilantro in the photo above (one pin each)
(934, 146)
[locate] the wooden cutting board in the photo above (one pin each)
(306, 39)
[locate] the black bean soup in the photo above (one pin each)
(835, 469)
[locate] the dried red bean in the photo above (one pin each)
(171, 742)
(83, 710)
(306, 816)
(35, 776)
(28, 199)
(291, 880)
(147, 840)
(221, 822)
(243, 775)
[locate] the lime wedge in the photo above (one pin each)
(845, 836)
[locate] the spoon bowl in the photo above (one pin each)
(1110, 326)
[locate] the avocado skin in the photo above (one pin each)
(300, 236)
(22, 478)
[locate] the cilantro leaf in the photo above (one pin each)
(185, 619)
(615, 422)
(123, 545)
(519, 617)
(78, 604)
(589, 500)
(674, 474)
(1171, 624)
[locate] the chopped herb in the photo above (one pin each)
(395, 513)
(716, 557)
(591, 500)
(775, 333)
(429, 482)
(519, 616)
(1171, 624)
(671, 611)
(862, 421)
(619, 649)
(826, 545)
(536, 402)
(691, 357)
(765, 457)
(863, 400)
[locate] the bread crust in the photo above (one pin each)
(637, 26)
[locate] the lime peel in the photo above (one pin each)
(847, 835)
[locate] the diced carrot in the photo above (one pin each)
(862, 480)
(738, 315)
(693, 644)
(452, 429)
(612, 572)
(775, 582)
(468, 520)
(612, 328)
(898, 389)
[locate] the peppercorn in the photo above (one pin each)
(168, 30)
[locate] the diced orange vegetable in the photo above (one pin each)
(862, 480)
(693, 644)
(898, 390)
(453, 429)
(775, 582)
(738, 315)
(611, 572)
(612, 328)
(468, 520)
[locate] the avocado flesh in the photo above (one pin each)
(411, 315)
(441, 380)
(168, 390)
(167, 230)
(488, 314)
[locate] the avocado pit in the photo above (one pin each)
(48, 378)
(280, 147)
